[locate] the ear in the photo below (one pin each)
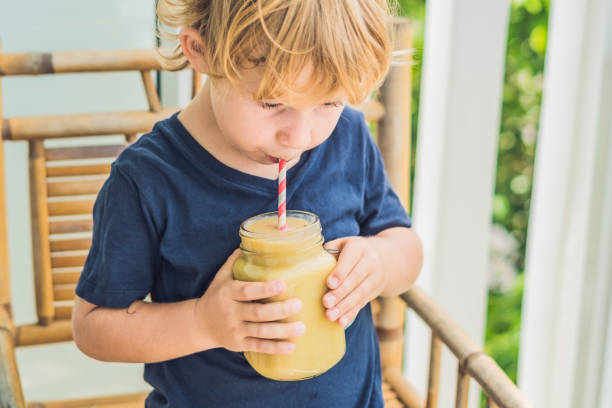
(192, 45)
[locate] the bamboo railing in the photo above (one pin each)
(393, 119)
(473, 362)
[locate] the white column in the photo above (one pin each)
(463, 68)
(605, 267)
(568, 276)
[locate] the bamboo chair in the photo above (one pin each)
(58, 257)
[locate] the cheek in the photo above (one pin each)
(326, 125)
(247, 127)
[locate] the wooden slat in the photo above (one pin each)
(71, 207)
(371, 109)
(70, 226)
(83, 152)
(494, 382)
(81, 170)
(74, 188)
(70, 244)
(434, 371)
(78, 125)
(151, 91)
(481, 367)
(389, 322)
(375, 305)
(61, 293)
(5, 292)
(120, 401)
(68, 261)
(40, 232)
(394, 128)
(66, 278)
(393, 403)
(63, 312)
(388, 394)
(394, 143)
(453, 336)
(131, 137)
(463, 388)
(11, 392)
(33, 334)
(77, 61)
(402, 388)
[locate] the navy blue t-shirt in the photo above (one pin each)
(168, 217)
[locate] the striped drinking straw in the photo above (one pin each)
(282, 195)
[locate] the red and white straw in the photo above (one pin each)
(282, 195)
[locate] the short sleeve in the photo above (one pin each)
(382, 208)
(124, 256)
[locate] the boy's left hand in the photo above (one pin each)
(358, 277)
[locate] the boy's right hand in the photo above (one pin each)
(227, 315)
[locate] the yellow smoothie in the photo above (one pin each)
(297, 257)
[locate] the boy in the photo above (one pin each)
(280, 75)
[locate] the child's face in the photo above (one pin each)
(264, 132)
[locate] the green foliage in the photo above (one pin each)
(415, 11)
(503, 327)
(522, 96)
(526, 47)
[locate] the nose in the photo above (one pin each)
(296, 134)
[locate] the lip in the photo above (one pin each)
(272, 159)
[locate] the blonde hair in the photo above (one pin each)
(346, 43)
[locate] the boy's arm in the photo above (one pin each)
(401, 255)
(144, 332)
(229, 314)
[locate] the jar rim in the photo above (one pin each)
(313, 226)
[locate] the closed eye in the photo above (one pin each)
(267, 105)
(335, 104)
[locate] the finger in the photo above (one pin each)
(225, 272)
(357, 275)
(349, 317)
(356, 299)
(350, 254)
(247, 291)
(268, 312)
(336, 244)
(268, 346)
(275, 330)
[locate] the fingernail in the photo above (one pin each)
(279, 285)
(333, 282)
(343, 320)
(329, 300)
(300, 328)
(296, 304)
(333, 314)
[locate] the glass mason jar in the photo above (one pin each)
(297, 257)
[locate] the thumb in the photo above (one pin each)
(226, 271)
(336, 244)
